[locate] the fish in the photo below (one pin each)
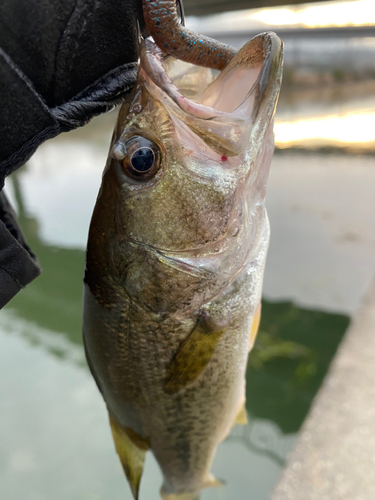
(175, 258)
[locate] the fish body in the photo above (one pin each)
(175, 258)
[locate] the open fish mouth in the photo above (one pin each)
(229, 109)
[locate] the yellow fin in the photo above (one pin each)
(131, 450)
(192, 356)
(255, 326)
(241, 418)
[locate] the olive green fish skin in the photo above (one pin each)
(175, 265)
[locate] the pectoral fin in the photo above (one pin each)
(131, 450)
(192, 356)
(255, 326)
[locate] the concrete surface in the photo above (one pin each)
(334, 458)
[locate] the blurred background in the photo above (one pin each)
(55, 440)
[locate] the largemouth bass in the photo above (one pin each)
(175, 258)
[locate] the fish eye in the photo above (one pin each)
(142, 158)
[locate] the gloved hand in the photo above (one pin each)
(61, 63)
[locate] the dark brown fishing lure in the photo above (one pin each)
(162, 23)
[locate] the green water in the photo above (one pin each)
(55, 440)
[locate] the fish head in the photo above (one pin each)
(187, 171)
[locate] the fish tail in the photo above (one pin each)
(210, 480)
(194, 495)
(131, 454)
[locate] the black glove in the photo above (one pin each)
(62, 62)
